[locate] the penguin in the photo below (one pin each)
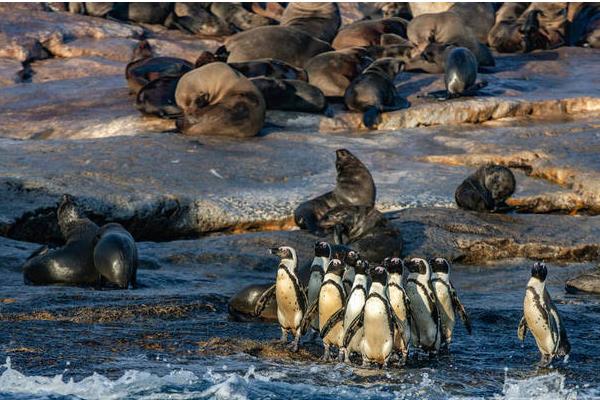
(541, 317)
(354, 308)
(317, 271)
(348, 277)
(399, 302)
(330, 308)
(448, 302)
(425, 329)
(379, 322)
(290, 296)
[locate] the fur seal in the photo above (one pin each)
(145, 68)
(447, 28)
(267, 42)
(368, 33)
(541, 317)
(290, 95)
(354, 186)
(373, 91)
(486, 189)
(218, 100)
(157, 98)
(72, 264)
(320, 20)
(366, 230)
(116, 256)
(333, 71)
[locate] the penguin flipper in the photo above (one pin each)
(354, 326)
(262, 301)
(309, 315)
(458, 306)
(337, 316)
(522, 330)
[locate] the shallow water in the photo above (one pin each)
(59, 352)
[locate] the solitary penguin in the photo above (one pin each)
(348, 278)
(542, 319)
(290, 296)
(330, 308)
(379, 322)
(317, 272)
(400, 304)
(425, 329)
(354, 308)
(448, 302)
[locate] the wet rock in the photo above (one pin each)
(10, 72)
(588, 282)
(56, 69)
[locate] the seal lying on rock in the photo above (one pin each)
(354, 187)
(290, 95)
(218, 100)
(115, 256)
(320, 20)
(373, 91)
(486, 190)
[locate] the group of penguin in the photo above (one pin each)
(378, 314)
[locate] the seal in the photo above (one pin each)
(265, 42)
(447, 28)
(116, 256)
(333, 71)
(486, 189)
(157, 98)
(145, 68)
(368, 33)
(320, 20)
(218, 100)
(290, 95)
(541, 317)
(71, 264)
(354, 186)
(373, 91)
(366, 230)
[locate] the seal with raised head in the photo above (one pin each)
(486, 189)
(320, 20)
(373, 91)
(291, 95)
(541, 317)
(368, 33)
(71, 264)
(218, 100)
(116, 256)
(354, 186)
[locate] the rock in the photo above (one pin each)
(57, 69)
(588, 282)
(10, 72)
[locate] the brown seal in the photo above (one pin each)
(320, 20)
(218, 100)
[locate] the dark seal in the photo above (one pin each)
(116, 256)
(354, 187)
(486, 190)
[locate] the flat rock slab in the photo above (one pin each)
(165, 186)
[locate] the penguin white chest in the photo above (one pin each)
(537, 315)
(289, 313)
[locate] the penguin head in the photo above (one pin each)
(539, 271)
(379, 275)
(394, 265)
(352, 258)
(284, 252)
(417, 266)
(440, 265)
(322, 249)
(335, 267)
(362, 267)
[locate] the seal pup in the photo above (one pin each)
(320, 20)
(425, 327)
(290, 95)
(290, 296)
(399, 303)
(317, 272)
(354, 186)
(486, 189)
(71, 264)
(218, 100)
(448, 302)
(354, 309)
(373, 91)
(116, 256)
(541, 317)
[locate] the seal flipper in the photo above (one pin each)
(522, 330)
(372, 117)
(262, 301)
(338, 316)
(458, 306)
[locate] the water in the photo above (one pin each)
(72, 343)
